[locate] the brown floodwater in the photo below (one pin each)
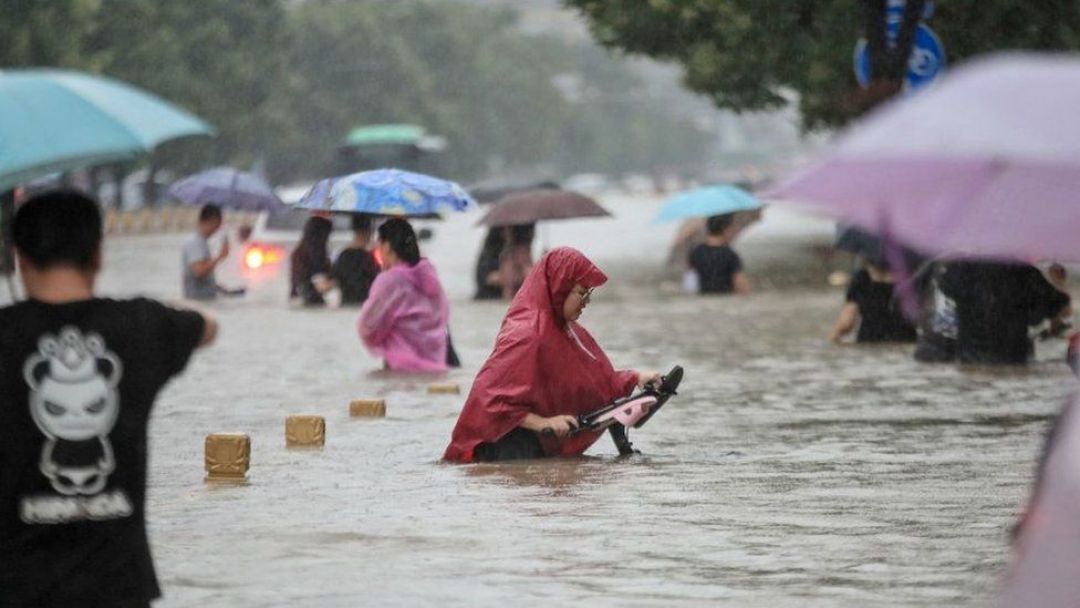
(788, 472)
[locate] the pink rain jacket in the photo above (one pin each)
(542, 364)
(404, 318)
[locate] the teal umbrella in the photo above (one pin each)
(710, 200)
(56, 120)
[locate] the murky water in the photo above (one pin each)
(787, 472)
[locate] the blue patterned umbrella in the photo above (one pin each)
(387, 192)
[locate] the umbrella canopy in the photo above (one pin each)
(492, 190)
(710, 200)
(536, 205)
(228, 188)
(56, 120)
(391, 192)
(987, 163)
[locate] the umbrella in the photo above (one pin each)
(986, 163)
(710, 200)
(491, 190)
(390, 192)
(56, 120)
(536, 205)
(226, 187)
(1045, 565)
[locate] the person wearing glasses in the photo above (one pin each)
(545, 370)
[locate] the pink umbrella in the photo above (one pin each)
(1046, 569)
(986, 163)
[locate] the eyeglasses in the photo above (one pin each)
(585, 295)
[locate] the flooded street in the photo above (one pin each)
(788, 472)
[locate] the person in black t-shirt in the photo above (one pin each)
(996, 303)
(715, 264)
(78, 378)
(871, 304)
(355, 268)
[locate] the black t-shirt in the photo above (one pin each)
(77, 382)
(355, 270)
(716, 266)
(881, 318)
(995, 304)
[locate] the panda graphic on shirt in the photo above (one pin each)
(73, 400)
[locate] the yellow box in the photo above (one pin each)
(444, 389)
(304, 431)
(372, 408)
(228, 456)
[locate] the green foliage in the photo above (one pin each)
(748, 54)
(286, 80)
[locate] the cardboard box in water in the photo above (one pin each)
(228, 456)
(368, 408)
(305, 431)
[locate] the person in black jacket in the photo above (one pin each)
(996, 303)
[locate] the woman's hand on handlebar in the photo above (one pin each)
(561, 425)
(653, 378)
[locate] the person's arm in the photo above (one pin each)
(849, 316)
(741, 283)
(202, 268)
(644, 378)
(561, 425)
(378, 313)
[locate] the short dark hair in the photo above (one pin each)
(58, 228)
(209, 211)
(717, 224)
(402, 239)
(360, 222)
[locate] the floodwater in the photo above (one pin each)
(788, 472)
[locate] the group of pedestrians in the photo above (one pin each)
(79, 374)
(970, 312)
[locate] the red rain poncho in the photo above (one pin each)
(541, 364)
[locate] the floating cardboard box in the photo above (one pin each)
(444, 389)
(370, 408)
(305, 431)
(228, 456)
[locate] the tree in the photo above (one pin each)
(752, 54)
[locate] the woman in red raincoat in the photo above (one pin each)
(544, 372)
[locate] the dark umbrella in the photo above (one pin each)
(228, 188)
(492, 190)
(538, 205)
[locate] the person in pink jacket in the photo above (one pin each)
(404, 320)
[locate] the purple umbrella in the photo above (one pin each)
(535, 205)
(986, 163)
(228, 188)
(1046, 569)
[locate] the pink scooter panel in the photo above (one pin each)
(632, 411)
